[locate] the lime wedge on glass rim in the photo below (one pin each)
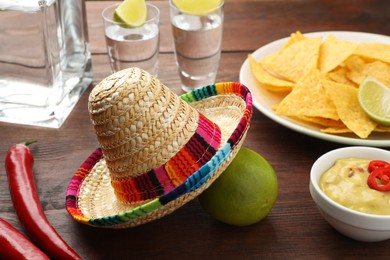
(374, 98)
(197, 7)
(132, 13)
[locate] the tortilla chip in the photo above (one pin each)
(378, 70)
(359, 69)
(336, 130)
(378, 51)
(333, 52)
(345, 98)
(382, 129)
(294, 61)
(355, 62)
(323, 121)
(294, 37)
(267, 80)
(339, 75)
(308, 98)
(267, 58)
(355, 66)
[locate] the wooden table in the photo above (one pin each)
(294, 228)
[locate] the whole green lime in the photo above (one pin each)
(244, 193)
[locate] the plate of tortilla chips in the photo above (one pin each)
(309, 83)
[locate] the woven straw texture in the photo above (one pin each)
(141, 125)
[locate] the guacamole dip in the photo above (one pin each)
(346, 183)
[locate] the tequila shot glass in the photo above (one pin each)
(133, 47)
(197, 40)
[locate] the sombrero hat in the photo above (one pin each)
(157, 151)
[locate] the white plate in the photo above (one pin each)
(263, 99)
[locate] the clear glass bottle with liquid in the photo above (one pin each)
(45, 60)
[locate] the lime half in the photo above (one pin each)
(197, 7)
(132, 13)
(374, 98)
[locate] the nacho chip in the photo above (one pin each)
(382, 129)
(336, 130)
(339, 75)
(267, 58)
(378, 70)
(378, 51)
(297, 36)
(345, 98)
(308, 98)
(355, 66)
(359, 69)
(333, 52)
(355, 62)
(267, 80)
(325, 122)
(294, 37)
(294, 61)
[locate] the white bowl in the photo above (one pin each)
(354, 224)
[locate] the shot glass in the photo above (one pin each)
(133, 47)
(197, 40)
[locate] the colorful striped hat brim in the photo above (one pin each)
(228, 105)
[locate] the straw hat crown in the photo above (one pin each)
(140, 125)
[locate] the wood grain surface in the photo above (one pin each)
(293, 230)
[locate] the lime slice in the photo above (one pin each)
(197, 7)
(374, 98)
(132, 13)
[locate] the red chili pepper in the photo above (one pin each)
(374, 164)
(379, 179)
(19, 166)
(14, 245)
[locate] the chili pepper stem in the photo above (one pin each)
(28, 142)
